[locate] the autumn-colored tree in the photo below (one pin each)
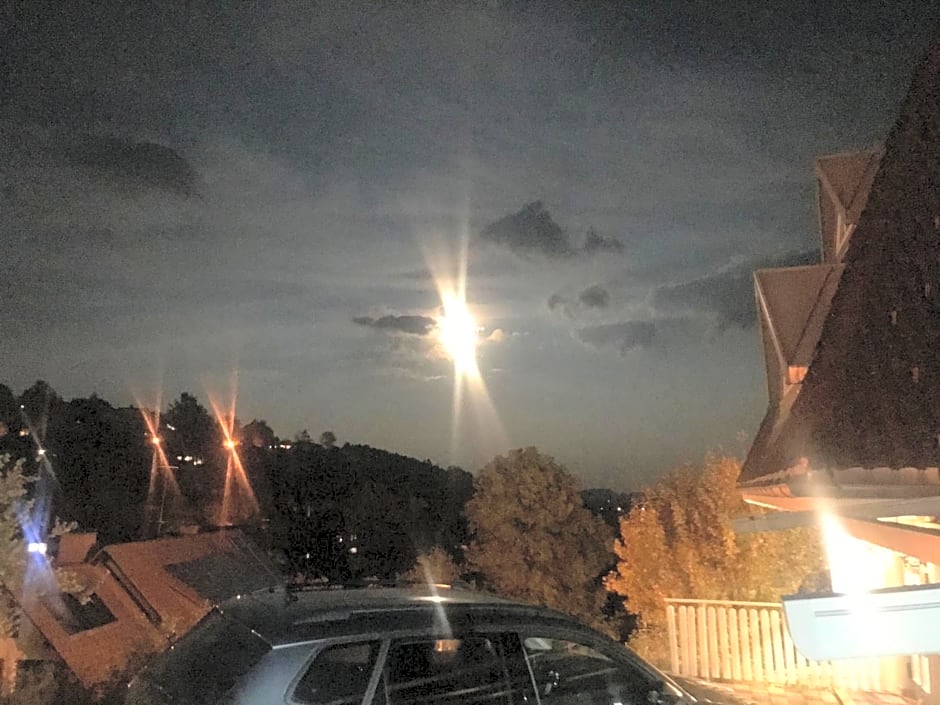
(534, 540)
(435, 566)
(678, 541)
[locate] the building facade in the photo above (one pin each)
(851, 437)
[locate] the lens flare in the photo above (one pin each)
(855, 566)
(458, 337)
(163, 492)
(239, 504)
(36, 519)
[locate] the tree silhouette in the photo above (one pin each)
(191, 430)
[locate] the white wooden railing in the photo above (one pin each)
(749, 641)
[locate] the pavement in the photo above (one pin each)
(729, 693)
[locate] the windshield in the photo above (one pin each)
(202, 666)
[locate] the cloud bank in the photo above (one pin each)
(410, 325)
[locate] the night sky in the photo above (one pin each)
(269, 188)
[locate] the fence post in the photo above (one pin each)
(673, 637)
(702, 627)
(734, 634)
(723, 649)
(744, 633)
(687, 643)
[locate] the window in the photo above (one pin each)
(567, 672)
(476, 668)
(76, 616)
(339, 675)
(205, 664)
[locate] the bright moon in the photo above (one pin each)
(458, 335)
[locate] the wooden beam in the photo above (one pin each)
(804, 511)
(914, 541)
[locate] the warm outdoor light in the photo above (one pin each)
(238, 498)
(156, 440)
(855, 567)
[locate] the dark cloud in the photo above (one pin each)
(533, 231)
(594, 243)
(595, 297)
(145, 163)
(412, 325)
(624, 336)
(727, 297)
(530, 231)
(558, 303)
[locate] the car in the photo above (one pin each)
(376, 645)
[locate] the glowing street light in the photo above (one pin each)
(156, 440)
(230, 444)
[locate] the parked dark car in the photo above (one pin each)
(388, 646)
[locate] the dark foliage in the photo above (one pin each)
(335, 512)
(358, 511)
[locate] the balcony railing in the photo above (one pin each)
(749, 641)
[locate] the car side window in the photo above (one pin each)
(472, 668)
(568, 673)
(338, 675)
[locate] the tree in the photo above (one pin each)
(37, 401)
(101, 459)
(192, 430)
(327, 439)
(14, 556)
(678, 541)
(258, 434)
(532, 538)
(9, 409)
(435, 566)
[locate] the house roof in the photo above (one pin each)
(871, 397)
(849, 177)
(177, 580)
(845, 181)
(795, 300)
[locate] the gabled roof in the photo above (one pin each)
(871, 397)
(848, 177)
(176, 580)
(796, 300)
(844, 181)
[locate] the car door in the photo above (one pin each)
(575, 668)
(473, 668)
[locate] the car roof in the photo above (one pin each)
(284, 616)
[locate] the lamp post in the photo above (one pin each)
(165, 471)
